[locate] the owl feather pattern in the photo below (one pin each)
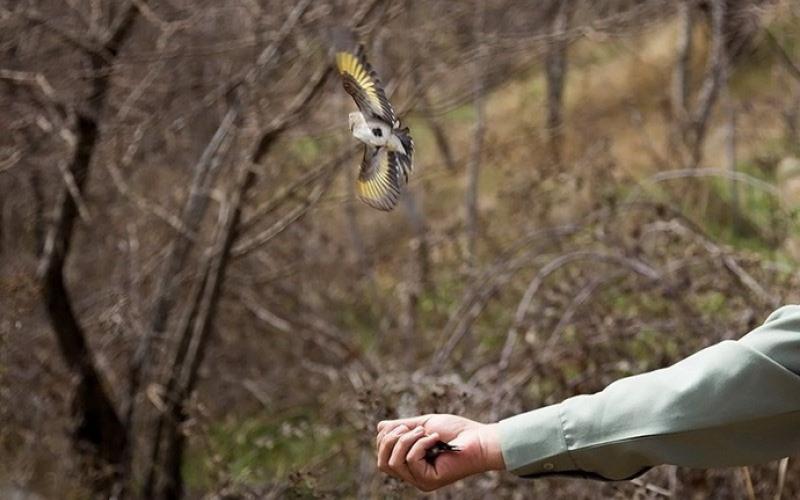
(388, 147)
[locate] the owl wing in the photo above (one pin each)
(382, 177)
(362, 83)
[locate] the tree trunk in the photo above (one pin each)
(555, 75)
(473, 168)
(439, 135)
(730, 160)
(681, 78)
(35, 181)
(713, 82)
(99, 434)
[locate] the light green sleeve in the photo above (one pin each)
(734, 403)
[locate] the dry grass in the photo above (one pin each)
(278, 414)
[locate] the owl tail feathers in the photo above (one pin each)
(406, 140)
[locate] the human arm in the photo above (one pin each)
(734, 403)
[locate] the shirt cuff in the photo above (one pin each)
(533, 443)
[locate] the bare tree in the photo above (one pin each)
(442, 141)
(472, 222)
(185, 195)
(555, 64)
(693, 115)
(163, 477)
(730, 160)
(792, 112)
(713, 82)
(99, 432)
(681, 79)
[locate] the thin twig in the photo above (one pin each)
(286, 192)
(35, 18)
(142, 202)
(248, 245)
(74, 192)
(790, 65)
(783, 467)
(748, 482)
(658, 490)
(551, 267)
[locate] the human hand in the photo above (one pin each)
(402, 444)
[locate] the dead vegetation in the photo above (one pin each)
(192, 303)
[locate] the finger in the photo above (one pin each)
(417, 452)
(386, 431)
(386, 445)
(379, 438)
(388, 425)
(397, 460)
(381, 435)
(383, 432)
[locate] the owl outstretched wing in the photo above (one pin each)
(382, 177)
(363, 84)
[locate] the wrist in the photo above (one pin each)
(490, 447)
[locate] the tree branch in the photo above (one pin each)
(99, 425)
(790, 65)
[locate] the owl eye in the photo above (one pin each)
(377, 132)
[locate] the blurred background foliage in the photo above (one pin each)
(601, 188)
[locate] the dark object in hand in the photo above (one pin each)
(434, 451)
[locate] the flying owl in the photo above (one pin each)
(388, 148)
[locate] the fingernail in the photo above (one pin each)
(419, 430)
